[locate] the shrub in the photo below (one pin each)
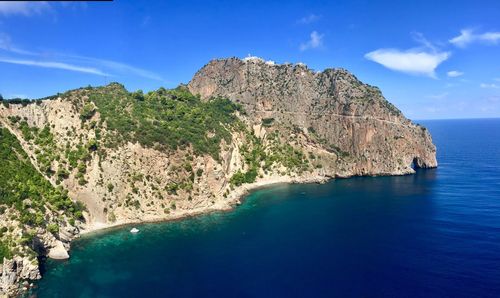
(244, 177)
(53, 228)
(5, 251)
(87, 111)
(267, 122)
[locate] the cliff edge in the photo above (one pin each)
(345, 114)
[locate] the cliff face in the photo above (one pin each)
(133, 157)
(347, 115)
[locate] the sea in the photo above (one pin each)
(432, 234)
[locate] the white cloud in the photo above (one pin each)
(454, 73)
(412, 61)
(58, 65)
(26, 8)
(484, 85)
(315, 41)
(467, 36)
(463, 39)
(311, 18)
(496, 79)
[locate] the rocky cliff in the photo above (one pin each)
(345, 114)
(239, 124)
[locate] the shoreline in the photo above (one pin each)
(232, 201)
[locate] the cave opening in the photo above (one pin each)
(415, 163)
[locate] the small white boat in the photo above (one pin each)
(134, 230)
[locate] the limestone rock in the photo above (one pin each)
(351, 116)
(58, 252)
(9, 273)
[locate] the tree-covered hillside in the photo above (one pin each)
(23, 188)
(167, 119)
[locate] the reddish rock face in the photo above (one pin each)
(349, 116)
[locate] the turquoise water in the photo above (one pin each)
(433, 234)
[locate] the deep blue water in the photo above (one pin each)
(433, 234)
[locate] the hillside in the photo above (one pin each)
(97, 157)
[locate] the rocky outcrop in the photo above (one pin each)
(347, 115)
(15, 270)
(58, 252)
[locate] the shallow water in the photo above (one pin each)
(433, 234)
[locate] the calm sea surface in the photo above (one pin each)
(433, 234)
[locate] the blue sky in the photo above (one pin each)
(431, 58)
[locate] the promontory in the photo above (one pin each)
(95, 157)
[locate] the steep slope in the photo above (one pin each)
(35, 217)
(347, 115)
(239, 124)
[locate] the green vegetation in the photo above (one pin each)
(87, 111)
(5, 251)
(53, 228)
(25, 189)
(259, 156)
(22, 101)
(267, 122)
(247, 177)
(165, 119)
(44, 139)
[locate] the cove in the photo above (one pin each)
(432, 234)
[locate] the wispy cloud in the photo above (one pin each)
(454, 73)
(416, 61)
(57, 65)
(6, 45)
(485, 85)
(315, 41)
(420, 38)
(68, 62)
(311, 18)
(468, 36)
(25, 8)
(119, 67)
